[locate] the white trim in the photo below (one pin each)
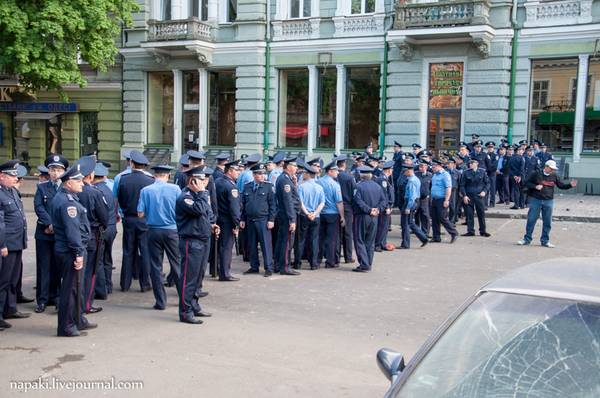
(93, 87)
(573, 32)
(582, 77)
(425, 96)
(255, 47)
(548, 94)
(222, 7)
(144, 107)
(340, 108)
(313, 102)
(340, 44)
(203, 105)
(437, 32)
(177, 114)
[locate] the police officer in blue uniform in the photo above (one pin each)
(455, 178)
(516, 173)
(347, 186)
(258, 220)
(441, 195)
(473, 186)
(115, 187)
(47, 272)
(543, 154)
(180, 176)
(135, 229)
(474, 140)
(195, 224)
(368, 202)
(332, 215)
(220, 160)
(97, 213)
(422, 217)
(491, 170)
(71, 232)
(383, 221)
(398, 159)
(104, 276)
(410, 204)
(228, 218)
(157, 205)
(288, 207)
(13, 240)
(312, 201)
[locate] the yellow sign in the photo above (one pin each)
(5, 93)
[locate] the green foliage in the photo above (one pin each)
(40, 39)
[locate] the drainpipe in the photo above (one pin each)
(513, 72)
(383, 114)
(267, 79)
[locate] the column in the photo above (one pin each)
(177, 114)
(313, 102)
(340, 108)
(582, 76)
(203, 109)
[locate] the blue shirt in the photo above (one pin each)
(243, 179)
(311, 195)
(412, 192)
(500, 162)
(157, 202)
(439, 183)
(274, 174)
(333, 194)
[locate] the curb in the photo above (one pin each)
(519, 216)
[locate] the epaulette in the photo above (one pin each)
(70, 197)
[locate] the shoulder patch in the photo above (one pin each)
(384, 184)
(287, 188)
(72, 211)
(188, 201)
(70, 197)
(234, 193)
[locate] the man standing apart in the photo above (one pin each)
(157, 205)
(228, 218)
(441, 194)
(541, 185)
(473, 186)
(288, 207)
(383, 222)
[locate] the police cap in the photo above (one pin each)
(396, 143)
(416, 146)
(100, 170)
(258, 168)
(364, 169)
(293, 160)
(278, 157)
(42, 169)
(162, 168)
(332, 165)
(490, 144)
(138, 158)
(254, 158)
(388, 165)
(475, 136)
(56, 161)
(200, 172)
(184, 160)
(72, 173)
(233, 164)
(341, 158)
(222, 156)
(21, 171)
(87, 164)
(195, 155)
(310, 169)
(437, 162)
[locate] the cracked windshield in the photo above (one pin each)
(506, 345)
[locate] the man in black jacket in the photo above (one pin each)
(541, 198)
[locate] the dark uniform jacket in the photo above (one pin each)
(532, 164)
(259, 204)
(41, 203)
(110, 200)
(96, 205)
(194, 215)
(347, 186)
(493, 163)
(516, 166)
(288, 201)
(368, 195)
(217, 173)
(13, 224)
(473, 182)
(228, 201)
(388, 189)
(71, 225)
(483, 159)
(128, 193)
(425, 183)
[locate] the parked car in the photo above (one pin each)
(534, 332)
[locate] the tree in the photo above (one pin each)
(40, 40)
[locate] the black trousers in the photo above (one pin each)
(10, 272)
(70, 316)
(365, 228)
(135, 240)
(258, 234)
(285, 243)
(476, 204)
(422, 216)
(225, 247)
(47, 280)
(383, 223)
(452, 209)
(93, 268)
(161, 241)
(104, 277)
(346, 241)
(439, 216)
(515, 192)
(503, 188)
(194, 258)
(491, 194)
(308, 241)
(329, 236)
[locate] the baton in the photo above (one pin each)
(78, 286)
(213, 264)
(236, 244)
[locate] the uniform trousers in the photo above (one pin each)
(346, 240)
(194, 257)
(47, 275)
(365, 229)
(516, 194)
(383, 223)
(285, 243)
(476, 204)
(104, 276)
(491, 193)
(10, 272)
(439, 215)
(70, 316)
(161, 241)
(258, 234)
(93, 268)
(135, 239)
(503, 187)
(422, 216)
(308, 241)
(225, 247)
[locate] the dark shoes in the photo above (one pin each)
(4, 324)
(40, 308)
(435, 241)
(378, 249)
(24, 300)
(351, 261)
(158, 307)
(290, 272)
(268, 274)
(229, 279)
(453, 239)
(202, 314)
(514, 208)
(202, 294)
(358, 269)
(89, 325)
(469, 234)
(93, 310)
(192, 321)
(424, 242)
(17, 315)
(485, 234)
(251, 271)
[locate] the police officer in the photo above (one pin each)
(410, 204)
(180, 176)
(219, 169)
(481, 156)
(455, 178)
(347, 187)
(195, 224)
(43, 175)
(543, 154)
(135, 239)
(97, 213)
(383, 222)
(258, 219)
(228, 218)
(312, 201)
(71, 232)
(288, 207)
(104, 279)
(13, 240)
(422, 217)
(441, 195)
(368, 202)
(398, 159)
(332, 215)
(47, 273)
(157, 205)
(474, 140)
(516, 173)
(473, 186)
(127, 156)
(278, 159)
(491, 172)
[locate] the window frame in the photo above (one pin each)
(533, 93)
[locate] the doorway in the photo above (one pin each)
(88, 133)
(443, 132)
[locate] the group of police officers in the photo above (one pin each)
(285, 210)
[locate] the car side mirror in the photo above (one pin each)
(390, 362)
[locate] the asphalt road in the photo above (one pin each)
(306, 336)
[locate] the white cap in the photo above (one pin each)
(551, 164)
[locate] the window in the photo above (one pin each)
(198, 9)
(293, 108)
(540, 94)
(552, 111)
(165, 10)
(574, 91)
(362, 107)
(221, 124)
(299, 8)
(231, 10)
(327, 108)
(362, 6)
(591, 130)
(191, 109)
(160, 108)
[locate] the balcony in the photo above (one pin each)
(557, 12)
(296, 29)
(182, 29)
(445, 13)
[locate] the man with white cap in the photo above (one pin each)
(540, 185)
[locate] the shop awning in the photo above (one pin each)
(549, 118)
(35, 116)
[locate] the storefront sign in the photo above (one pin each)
(53, 107)
(5, 93)
(445, 85)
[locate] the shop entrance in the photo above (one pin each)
(88, 133)
(443, 132)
